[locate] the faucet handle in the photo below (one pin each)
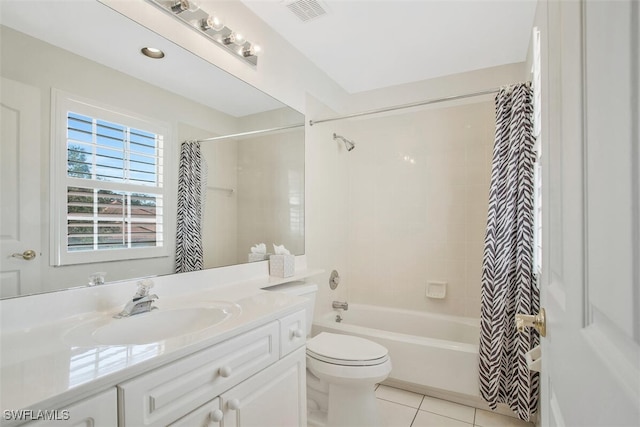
(340, 305)
(143, 287)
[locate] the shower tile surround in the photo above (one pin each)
(418, 188)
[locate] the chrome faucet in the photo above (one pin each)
(141, 301)
(340, 305)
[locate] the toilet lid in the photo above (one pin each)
(346, 350)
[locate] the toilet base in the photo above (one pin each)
(341, 405)
(352, 406)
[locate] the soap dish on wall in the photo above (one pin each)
(437, 290)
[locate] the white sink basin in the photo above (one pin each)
(157, 325)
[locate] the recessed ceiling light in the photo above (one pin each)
(152, 52)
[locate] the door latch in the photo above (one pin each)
(538, 321)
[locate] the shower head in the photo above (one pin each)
(350, 145)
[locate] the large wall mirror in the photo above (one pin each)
(73, 82)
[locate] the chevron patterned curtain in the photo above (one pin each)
(508, 282)
(189, 254)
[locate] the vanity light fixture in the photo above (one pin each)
(184, 5)
(152, 52)
(211, 22)
(252, 50)
(234, 38)
(211, 26)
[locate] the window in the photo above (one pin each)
(110, 192)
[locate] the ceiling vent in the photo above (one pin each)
(306, 10)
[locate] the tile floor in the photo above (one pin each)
(403, 408)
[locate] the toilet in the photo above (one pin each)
(341, 372)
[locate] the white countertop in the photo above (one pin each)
(41, 368)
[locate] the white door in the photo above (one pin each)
(19, 188)
(591, 155)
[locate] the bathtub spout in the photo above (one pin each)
(340, 305)
(338, 318)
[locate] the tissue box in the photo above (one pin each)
(257, 257)
(282, 265)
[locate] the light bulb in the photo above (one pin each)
(239, 39)
(182, 5)
(235, 38)
(212, 22)
(252, 50)
(229, 39)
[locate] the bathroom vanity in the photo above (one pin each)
(64, 360)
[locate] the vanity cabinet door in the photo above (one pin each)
(168, 393)
(208, 415)
(100, 410)
(275, 397)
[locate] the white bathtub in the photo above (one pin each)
(430, 351)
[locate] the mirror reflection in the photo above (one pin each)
(92, 132)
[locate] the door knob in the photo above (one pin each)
(538, 321)
(27, 255)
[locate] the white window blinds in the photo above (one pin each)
(112, 185)
(101, 212)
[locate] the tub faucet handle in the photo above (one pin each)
(340, 305)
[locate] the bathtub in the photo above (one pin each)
(429, 351)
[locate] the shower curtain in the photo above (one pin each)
(189, 252)
(508, 281)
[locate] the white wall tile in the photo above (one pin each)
(417, 199)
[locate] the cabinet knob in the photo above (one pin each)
(233, 404)
(296, 333)
(216, 415)
(225, 371)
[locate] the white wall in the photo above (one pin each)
(441, 87)
(326, 199)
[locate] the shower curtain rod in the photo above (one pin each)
(253, 132)
(400, 107)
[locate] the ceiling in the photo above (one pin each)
(370, 44)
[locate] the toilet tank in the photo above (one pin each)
(301, 289)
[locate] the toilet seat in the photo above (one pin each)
(346, 350)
